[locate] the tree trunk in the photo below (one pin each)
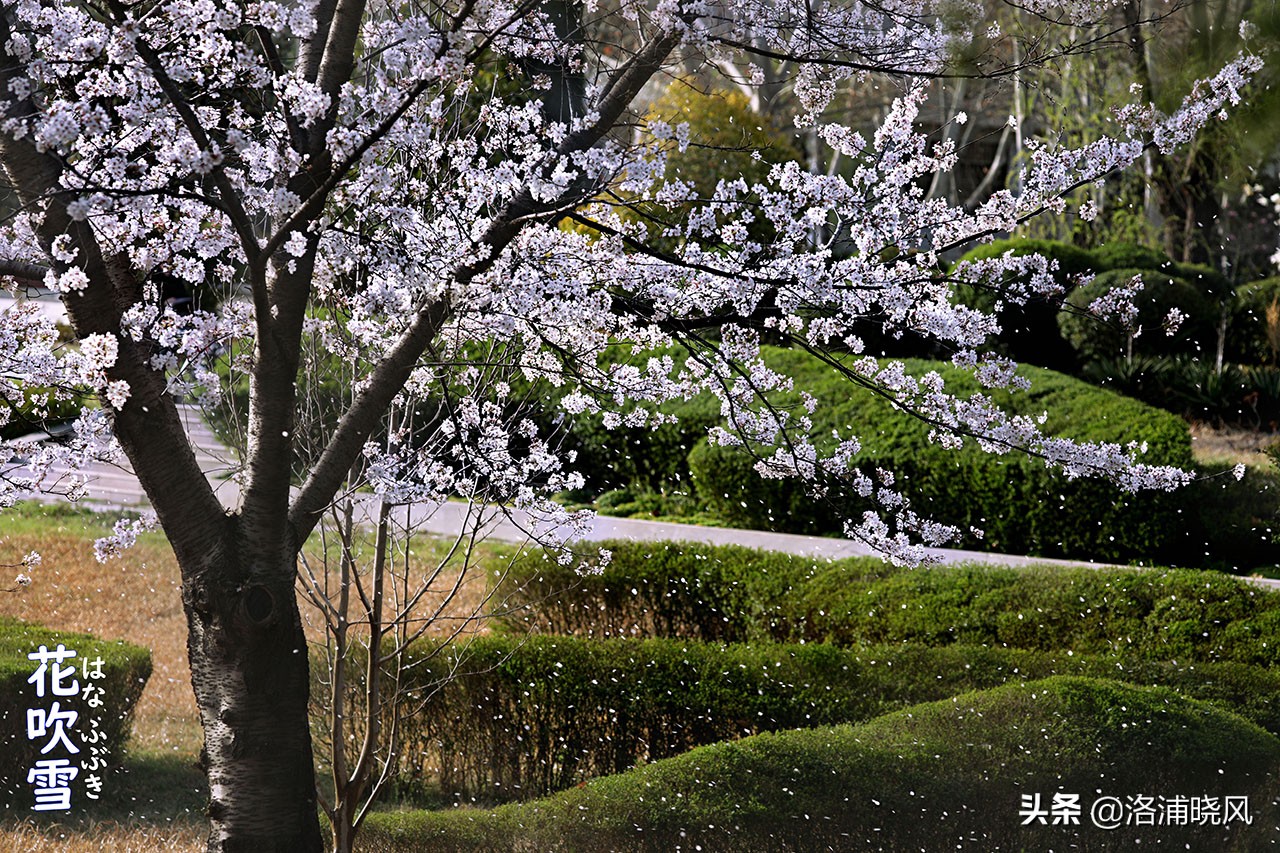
(250, 675)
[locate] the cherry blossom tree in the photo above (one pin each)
(430, 190)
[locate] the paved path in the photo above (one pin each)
(116, 487)
(451, 517)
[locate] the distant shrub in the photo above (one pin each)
(1019, 505)
(1116, 255)
(1029, 333)
(1093, 337)
(1254, 334)
(125, 668)
(924, 778)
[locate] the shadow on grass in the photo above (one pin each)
(150, 789)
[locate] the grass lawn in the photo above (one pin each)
(156, 800)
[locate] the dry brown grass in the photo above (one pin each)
(27, 838)
(136, 598)
(1230, 445)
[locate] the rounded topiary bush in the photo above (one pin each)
(125, 669)
(1117, 255)
(1094, 337)
(1029, 332)
(956, 774)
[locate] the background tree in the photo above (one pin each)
(341, 170)
(1193, 193)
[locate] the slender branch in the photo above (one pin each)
(227, 192)
(393, 371)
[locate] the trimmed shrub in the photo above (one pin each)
(1205, 278)
(642, 459)
(928, 778)
(1093, 338)
(684, 590)
(1030, 331)
(1019, 505)
(1118, 255)
(516, 717)
(125, 669)
(1253, 338)
(1153, 615)
(659, 589)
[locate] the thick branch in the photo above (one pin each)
(312, 50)
(389, 377)
(361, 418)
(23, 270)
(272, 405)
(339, 58)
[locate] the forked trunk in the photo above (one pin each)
(250, 675)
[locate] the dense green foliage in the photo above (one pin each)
(584, 708)
(1117, 254)
(39, 410)
(1254, 336)
(1029, 332)
(1182, 372)
(931, 777)
(125, 667)
(730, 594)
(728, 139)
(1093, 337)
(1020, 506)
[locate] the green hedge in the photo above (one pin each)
(933, 777)
(1094, 338)
(642, 459)
(732, 594)
(1020, 505)
(1029, 332)
(663, 589)
(519, 717)
(1074, 409)
(126, 669)
(1116, 255)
